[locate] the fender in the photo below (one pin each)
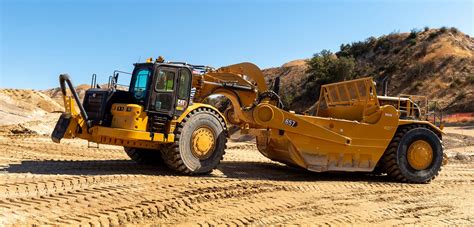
(195, 106)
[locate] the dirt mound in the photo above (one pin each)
(438, 63)
(291, 78)
(20, 106)
(56, 94)
(299, 62)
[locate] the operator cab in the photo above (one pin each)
(162, 89)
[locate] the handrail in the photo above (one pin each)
(64, 78)
(94, 80)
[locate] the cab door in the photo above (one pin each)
(170, 90)
(183, 90)
(162, 95)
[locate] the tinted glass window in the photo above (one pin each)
(165, 81)
(184, 84)
(163, 101)
(139, 88)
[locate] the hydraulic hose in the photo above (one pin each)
(63, 79)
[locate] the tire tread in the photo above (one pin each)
(171, 154)
(389, 159)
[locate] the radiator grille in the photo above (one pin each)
(94, 104)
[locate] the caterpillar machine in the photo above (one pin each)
(160, 118)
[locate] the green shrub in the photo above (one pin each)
(356, 49)
(454, 30)
(413, 33)
(287, 99)
(432, 106)
(456, 82)
(433, 35)
(397, 50)
(426, 28)
(443, 29)
(383, 44)
(345, 50)
(371, 40)
(412, 42)
(394, 32)
(418, 84)
(470, 79)
(325, 67)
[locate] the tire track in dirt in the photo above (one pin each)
(178, 199)
(35, 150)
(46, 183)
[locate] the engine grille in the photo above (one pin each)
(95, 103)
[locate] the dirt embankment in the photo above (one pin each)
(27, 110)
(438, 63)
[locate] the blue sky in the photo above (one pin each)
(42, 38)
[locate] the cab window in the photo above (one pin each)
(165, 81)
(184, 84)
(141, 80)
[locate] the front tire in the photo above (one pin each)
(200, 142)
(415, 155)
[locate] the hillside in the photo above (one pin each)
(56, 95)
(438, 63)
(27, 111)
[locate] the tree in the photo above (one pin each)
(325, 67)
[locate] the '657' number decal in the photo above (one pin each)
(291, 123)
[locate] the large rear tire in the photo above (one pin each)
(414, 155)
(200, 142)
(144, 156)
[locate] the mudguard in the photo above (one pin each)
(61, 127)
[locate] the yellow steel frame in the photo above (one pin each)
(325, 144)
(350, 135)
(364, 98)
(123, 137)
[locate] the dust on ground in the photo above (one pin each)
(459, 143)
(46, 183)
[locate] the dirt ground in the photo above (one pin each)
(46, 183)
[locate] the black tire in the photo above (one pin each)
(378, 170)
(144, 156)
(395, 161)
(179, 155)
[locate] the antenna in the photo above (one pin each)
(139, 58)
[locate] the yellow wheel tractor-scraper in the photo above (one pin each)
(160, 119)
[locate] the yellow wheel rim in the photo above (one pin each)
(203, 142)
(420, 155)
